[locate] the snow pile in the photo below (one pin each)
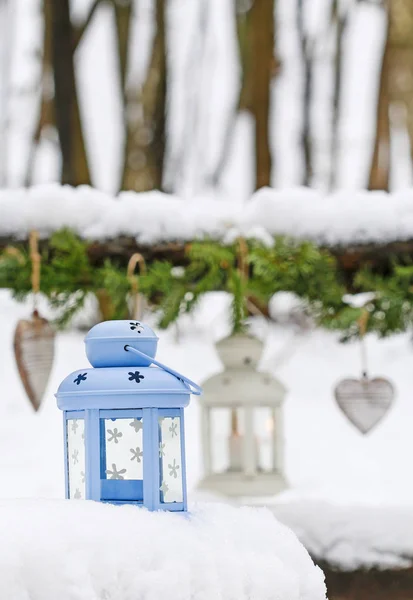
(352, 536)
(85, 550)
(340, 218)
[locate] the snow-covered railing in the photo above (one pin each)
(339, 219)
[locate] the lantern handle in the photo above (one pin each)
(194, 388)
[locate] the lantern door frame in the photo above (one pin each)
(94, 441)
(250, 480)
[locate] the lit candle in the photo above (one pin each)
(235, 444)
(235, 452)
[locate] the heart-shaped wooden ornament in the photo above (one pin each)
(364, 401)
(34, 352)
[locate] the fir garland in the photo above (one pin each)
(254, 275)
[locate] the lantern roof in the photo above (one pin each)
(122, 388)
(126, 329)
(105, 344)
(240, 349)
(122, 353)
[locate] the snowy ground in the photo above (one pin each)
(364, 480)
(53, 550)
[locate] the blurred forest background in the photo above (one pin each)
(225, 95)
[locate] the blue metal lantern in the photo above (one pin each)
(124, 421)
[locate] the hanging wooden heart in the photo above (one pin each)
(34, 352)
(364, 401)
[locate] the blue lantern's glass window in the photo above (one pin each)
(76, 457)
(122, 459)
(170, 455)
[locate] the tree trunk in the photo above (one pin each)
(401, 64)
(75, 170)
(262, 70)
(146, 118)
(123, 17)
(380, 166)
(243, 102)
(46, 116)
(306, 48)
(6, 33)
(340, 24)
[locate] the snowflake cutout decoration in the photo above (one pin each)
(80, 378)
(75, 425)
(136, 326)
(174, 428)
(161, 450)
(136, 424)
(77, 495)
(136, 454)
(114, 473)
(136, 376)
(164, 488)
(75, 457)
(115, 435)
(173, 469)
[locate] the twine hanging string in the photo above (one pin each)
(242, 268)
(362, 323)
(242, 259)
(36, 267)
(135, 259)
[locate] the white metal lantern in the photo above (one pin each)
(242, 425)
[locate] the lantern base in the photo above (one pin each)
(238, 484)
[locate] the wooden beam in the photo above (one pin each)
(120, 249)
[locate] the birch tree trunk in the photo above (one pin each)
(339, 22)
(6, 29)
(46, 118)
(243, 101)
(306, 48)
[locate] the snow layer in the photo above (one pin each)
(340, 534)
(85, 551)
(339, 218)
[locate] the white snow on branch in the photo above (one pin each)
(339, 218)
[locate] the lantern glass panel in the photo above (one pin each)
(170, 459)
(227, 439)
(76, 457)
(122, 456)
(264, 423)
